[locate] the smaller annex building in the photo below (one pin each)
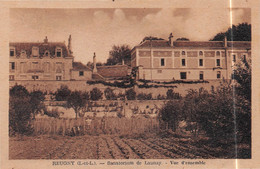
(188, 60)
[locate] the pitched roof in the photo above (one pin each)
(80, 66)
(115, 71)
(49, 46)
(195, 44)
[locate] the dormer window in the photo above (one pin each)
(47, 53)
(12, 52)
(58, 52)
(23, 53)
(35, 51)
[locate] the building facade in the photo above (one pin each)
(45, 61)
(187, 60)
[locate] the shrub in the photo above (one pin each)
(96, 94)
(109, 94)
(161, 97)
(130, 94)
(144, 96)
(62, 93)
(170, 94)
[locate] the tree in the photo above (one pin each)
(182, 39)
(36, 100)
(96, 94)
(151, 38)
(119, 53)
(62, 93)
(241, 32)
(19, 111)
(171, 114)
(242, 75)
(130, 94)
(77, 101)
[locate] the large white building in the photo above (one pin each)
(191, 60)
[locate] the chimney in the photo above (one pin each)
(69, 45)
(225, 41)
(94, 63)
(170, 42)
(45, 40)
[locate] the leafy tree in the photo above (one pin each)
(77, 101)
(36, 100)
(217, 114)
(119, 53)
(241, 32)
(130, 94)
(19, 111)
(171, 114)
(194, 102)
(182, 39)
(242, 75)
(96, 94)
(109, 94)
(151, 38)
(62, 93)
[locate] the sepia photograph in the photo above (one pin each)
(130, 83)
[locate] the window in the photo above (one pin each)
(35, 65)
(234, 58)
(244, 57)
(217, 62)
(35, 77)
(35, 51)
(11, 52)
(162, 62)
(200, 53)
(12, 65)
(58, 52)
(183, 75)
(81, 73)
(201, 75)
(11, 77)
(200, 62)
(218, 74)
(183, 53)
(59, 67)
(218, 53)
(58, 77)
(183, 62)
(159, 71)
(23, 67)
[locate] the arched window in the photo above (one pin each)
(200, 53)
(183, 53)
(218, 53)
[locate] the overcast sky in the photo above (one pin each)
(97, 30)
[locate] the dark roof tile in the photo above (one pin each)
(80, 66)
(194, 44)
(114, 71)
(50, 46)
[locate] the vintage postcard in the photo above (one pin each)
(130, 84)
